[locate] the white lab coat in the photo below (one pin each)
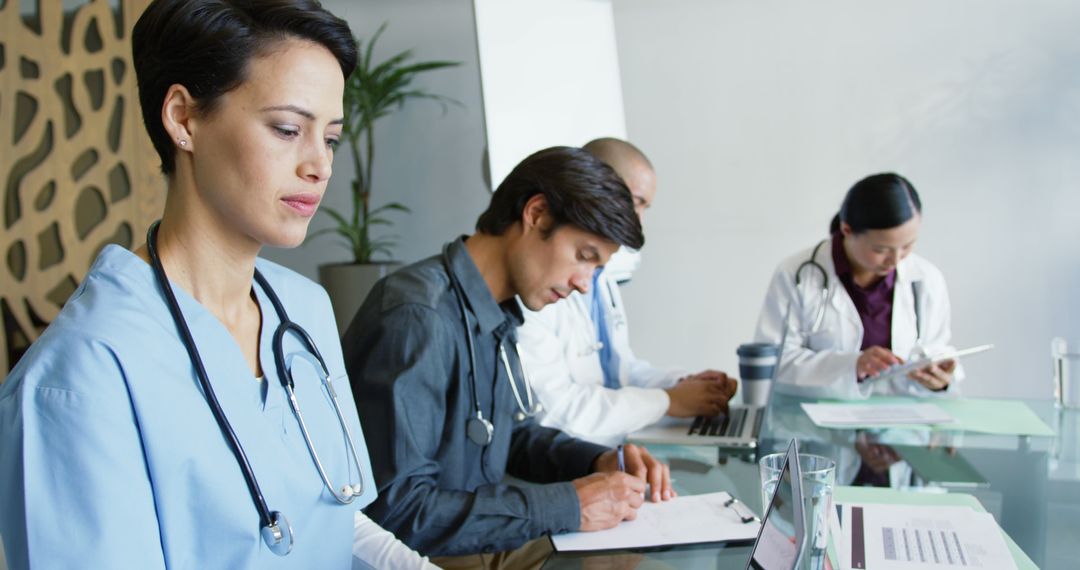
(822, 363)
(558, 347)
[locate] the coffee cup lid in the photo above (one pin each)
(757, 349)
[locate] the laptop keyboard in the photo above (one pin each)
(724, 425)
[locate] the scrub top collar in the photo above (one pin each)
(489, 314)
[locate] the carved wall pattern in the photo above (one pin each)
(77, 170)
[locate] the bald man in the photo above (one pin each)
(577, 351)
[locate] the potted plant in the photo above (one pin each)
(373, 91)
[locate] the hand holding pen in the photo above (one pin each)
(745, 514)
(638, 462)
(617, 487)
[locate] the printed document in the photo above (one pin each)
(851, 415)
(682, 520)
(894, 537)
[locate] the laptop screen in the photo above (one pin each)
(780, 537)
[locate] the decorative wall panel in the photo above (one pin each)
(77, 170)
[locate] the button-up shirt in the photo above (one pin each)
(407, 356)
(874, 303)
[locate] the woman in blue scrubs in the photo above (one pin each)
(111, 452)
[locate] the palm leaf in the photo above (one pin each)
(390, 206)
(375, 90)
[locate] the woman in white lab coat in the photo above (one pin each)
(861, 301)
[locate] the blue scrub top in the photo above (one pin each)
(111, 458)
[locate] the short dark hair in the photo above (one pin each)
(205, 45)
(580, 190)
(878, 202)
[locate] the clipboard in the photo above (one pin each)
(687, 519)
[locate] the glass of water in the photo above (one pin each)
(1066, 362)
(818, 478)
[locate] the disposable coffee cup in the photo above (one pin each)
(757, 365)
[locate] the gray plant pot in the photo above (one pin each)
(348, 284)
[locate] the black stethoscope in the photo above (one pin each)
(916, 289)
(479, 429)
(276, 531)
(813, 264)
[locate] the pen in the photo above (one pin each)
(622, 458)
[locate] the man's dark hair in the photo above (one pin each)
(206, 45)
(580, 190)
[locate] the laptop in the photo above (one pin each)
(780, 539)
(739, 429)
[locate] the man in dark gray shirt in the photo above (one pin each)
(447, 413)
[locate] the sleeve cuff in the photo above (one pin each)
(556, 507)
(663, 403)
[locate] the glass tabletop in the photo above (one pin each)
(1030, 484)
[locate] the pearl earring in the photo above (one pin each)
(182, 142)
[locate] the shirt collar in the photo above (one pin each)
(489, 314)
(843, 266)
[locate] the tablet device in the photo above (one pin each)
(917, 364)
(780, 539)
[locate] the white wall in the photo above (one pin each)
(431, 162)
(759, 114)
(550, 75)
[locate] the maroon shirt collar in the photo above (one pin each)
(844, 271)
(874, 304)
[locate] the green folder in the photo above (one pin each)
(872, 495)
(939, 466)
(999, 417)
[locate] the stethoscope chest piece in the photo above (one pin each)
(278, 535)
(479, 431)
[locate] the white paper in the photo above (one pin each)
(828, 415)
(839, 540)
(682, 520)
(896, 537)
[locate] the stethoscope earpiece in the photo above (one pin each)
(522, 416)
